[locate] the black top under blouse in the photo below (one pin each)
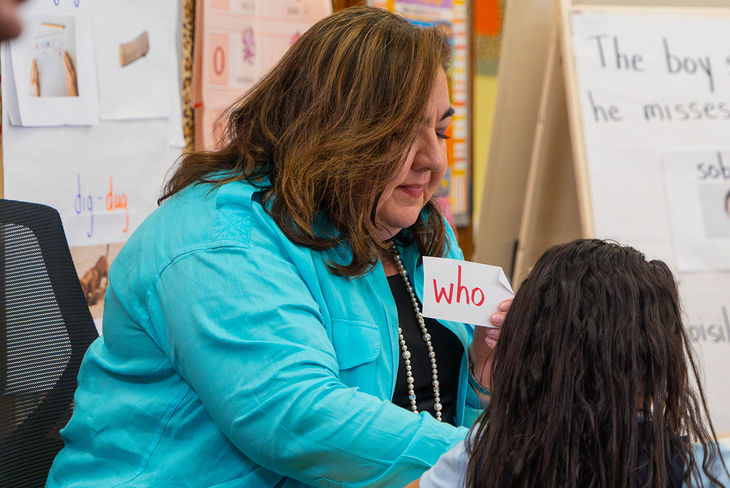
(449, 352)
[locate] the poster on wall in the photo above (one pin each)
(236, 43)
(103, 178)
(50, 67)
(132, 40)
(451, 15)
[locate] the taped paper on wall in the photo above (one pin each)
(698, 200)
(52, 68)
(133, 41)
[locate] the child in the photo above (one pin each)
(591, 383)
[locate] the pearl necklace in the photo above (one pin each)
(426, 338)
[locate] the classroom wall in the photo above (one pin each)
(485, 98)
(488, 17)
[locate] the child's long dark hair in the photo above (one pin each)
(591, 379)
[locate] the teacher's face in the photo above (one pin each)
(9, 21)
(423, 168)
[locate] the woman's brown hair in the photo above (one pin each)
(591, 379)
(329, 127)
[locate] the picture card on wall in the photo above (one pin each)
(135, 58)
(52, 66)
(698, 200)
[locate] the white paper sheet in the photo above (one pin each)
(653, 81)
(698, 198)
(141, 88)
(10, 99)
(53, 66)
(462, 291)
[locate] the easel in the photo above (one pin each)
(537, 195)
(556, 198)
(557, 205)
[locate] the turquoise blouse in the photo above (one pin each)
(232, 357)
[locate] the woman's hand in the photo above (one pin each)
(481, 350)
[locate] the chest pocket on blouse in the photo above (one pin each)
(358, 347)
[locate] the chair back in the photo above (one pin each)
(45, 329)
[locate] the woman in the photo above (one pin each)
(258, 324)
(591, 383)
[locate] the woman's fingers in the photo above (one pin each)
(497, 318)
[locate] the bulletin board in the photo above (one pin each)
(92, 119)
(631, 145)
(101, 98)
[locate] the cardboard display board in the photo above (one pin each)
(551, 211)
(528, 26)
(631, 145)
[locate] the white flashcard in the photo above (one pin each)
(462, 291)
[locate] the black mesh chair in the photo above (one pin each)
(45, 329)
